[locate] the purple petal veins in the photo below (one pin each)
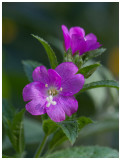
(52, 91)
(76, 40)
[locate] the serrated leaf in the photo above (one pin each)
(49, 126)
(70, 128)
(49, 51)
(86, 152)
(88, 70)
(29, 67)
(94, 53)
(103, 83)
(83, 121)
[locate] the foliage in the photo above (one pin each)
(86, 152)
(13, 123)
(49, 51)
(73, 128)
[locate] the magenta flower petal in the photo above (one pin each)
(54, 78)
(93, 46)
(52, 91)
(73, 85)
(91, 41)
(91, 37)
(69, 104)
(66, 70)
(50, 77)
(56, 112)
(78, 41)
(66, 37)
(78, 44)
(41, 74)
(77, 30)
(34, 90)
(36, 106)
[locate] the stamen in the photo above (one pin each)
(46, 85)
(61, 89)
(50, 92)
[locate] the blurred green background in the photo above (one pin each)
(20, 20)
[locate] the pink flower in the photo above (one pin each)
(76, 40)
(52, 91)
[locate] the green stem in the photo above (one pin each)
(41, 147)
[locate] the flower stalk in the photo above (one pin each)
(41, 147)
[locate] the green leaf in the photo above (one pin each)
(17, 129)
(58, 138)
(72, 127)
(8, 113)
(33, 133)
(103, 83)
(83, 121)
(88, 70)
(94, 53)
(49, 126)
(29, 67)
(68, 56)
(86, 152)
(7, 110)
(49, 51)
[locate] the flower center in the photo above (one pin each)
(52, 92)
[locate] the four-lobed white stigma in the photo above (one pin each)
(50, 101)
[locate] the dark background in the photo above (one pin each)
(20, 20)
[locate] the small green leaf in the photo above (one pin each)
(88, 70)
(83, 121)
(103, 83)
(29, 67)
(49, 126)
(94, 53)
(68, 56)
(49, 51)
(86, 152)
(70, 128)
